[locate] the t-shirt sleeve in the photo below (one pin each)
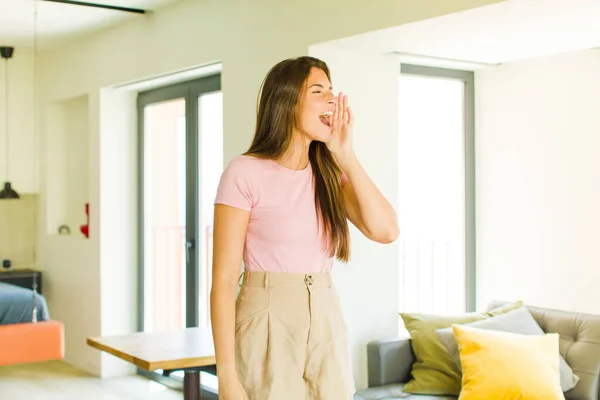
(235, 187)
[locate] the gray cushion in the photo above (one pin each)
(579, 345)
(518, 321)
(393, 392)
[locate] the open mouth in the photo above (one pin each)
(326, 117)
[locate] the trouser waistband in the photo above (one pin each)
(287, 279)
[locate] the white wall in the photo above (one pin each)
(21, 144)
(368, 284)
(537, 146)
(118, 285)
(67, 163)
(248, 38)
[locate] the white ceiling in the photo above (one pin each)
(502, 32)
(57, 21)
(507, 31)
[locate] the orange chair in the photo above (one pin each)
(31, 342)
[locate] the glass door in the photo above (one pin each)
(210, 125)
(180, 164)
(164, 232)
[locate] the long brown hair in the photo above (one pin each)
(280, 95)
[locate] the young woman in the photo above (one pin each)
(282, 208)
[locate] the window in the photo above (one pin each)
(436, 182)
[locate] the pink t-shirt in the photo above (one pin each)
(283, 232)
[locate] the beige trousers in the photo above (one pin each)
(290, 338)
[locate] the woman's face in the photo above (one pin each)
(316, 107)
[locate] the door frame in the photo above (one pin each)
(191, 92)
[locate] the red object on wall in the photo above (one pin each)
(85, 229)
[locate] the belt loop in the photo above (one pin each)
(241, 275)
(267, 280)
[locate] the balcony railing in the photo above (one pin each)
(165, 279)
(432, 276)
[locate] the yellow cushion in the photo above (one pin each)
(508, 366)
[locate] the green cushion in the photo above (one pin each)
(434, 371)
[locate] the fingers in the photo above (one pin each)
(347, 116)
(336, 112)
(342, 114)
(340, 107)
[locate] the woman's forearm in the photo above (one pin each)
(376, 212)
(222, 312)
(228, 244)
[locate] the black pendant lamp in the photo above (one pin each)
(7, 191)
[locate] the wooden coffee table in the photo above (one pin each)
(188, 350)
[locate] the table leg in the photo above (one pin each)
(191, 385)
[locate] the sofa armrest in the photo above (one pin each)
(389, 361)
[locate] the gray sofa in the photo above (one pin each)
(390, 361)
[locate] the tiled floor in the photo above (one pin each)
(59, 381)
